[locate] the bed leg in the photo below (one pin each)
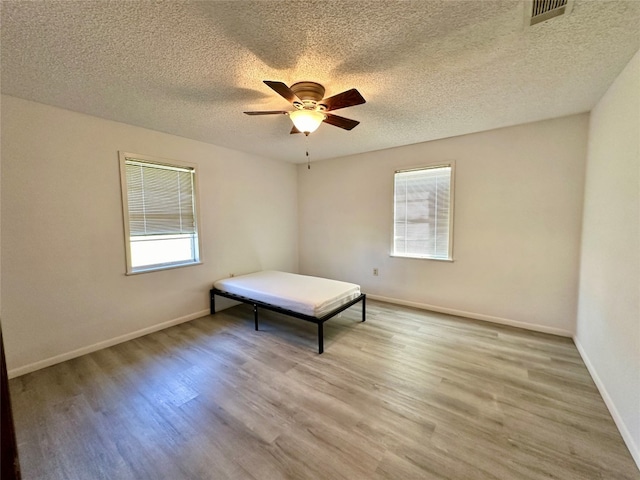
(255, 315)
(212, 302)
(364, 308)
(320, 339)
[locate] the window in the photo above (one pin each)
(160, 215)
(423, 213)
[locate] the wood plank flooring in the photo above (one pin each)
(406, 395)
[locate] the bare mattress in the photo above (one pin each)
(304, 294)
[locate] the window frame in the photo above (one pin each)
(452, 165)
(130, 270)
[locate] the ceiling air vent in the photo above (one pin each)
(541, 10)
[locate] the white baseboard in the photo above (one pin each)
(47, 362)
(476, 316)
(617, 418)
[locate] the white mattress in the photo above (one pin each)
(300, 293)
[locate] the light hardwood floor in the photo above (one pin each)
(407, 395)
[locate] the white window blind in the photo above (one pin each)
(422, 213)
(159, 203)
(160, 199)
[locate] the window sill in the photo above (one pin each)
(157, 268)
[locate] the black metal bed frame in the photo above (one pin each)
(309, 318)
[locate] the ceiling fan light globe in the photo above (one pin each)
(307, 121)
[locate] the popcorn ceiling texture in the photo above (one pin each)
(428, 69)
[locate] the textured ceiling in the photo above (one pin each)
(428, 69)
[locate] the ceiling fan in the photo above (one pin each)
(311, 108)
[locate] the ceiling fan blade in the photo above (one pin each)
(295, 130)
(341, 122)
(345, 99)
(268, 112)
(282, 90)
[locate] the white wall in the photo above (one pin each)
(518, 211)
(64, 290)
(608, 329)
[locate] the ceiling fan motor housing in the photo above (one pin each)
(309, 93)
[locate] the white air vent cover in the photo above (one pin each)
(537, 11)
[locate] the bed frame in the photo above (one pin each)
(309, 318)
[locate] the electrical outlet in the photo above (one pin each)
(375, 272)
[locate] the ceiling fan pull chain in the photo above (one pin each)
(307, 152)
